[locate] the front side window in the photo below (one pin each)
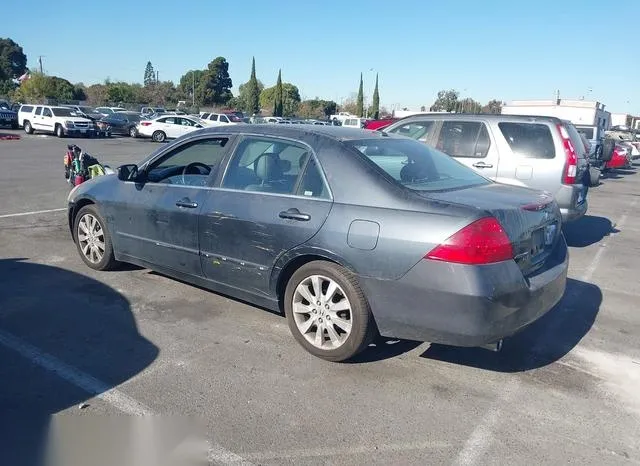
(190, 164)
(531, 140)
(224, 119)
(415, 165)
(266, 165)
(464, 139)
(420, 130)
(38, 111)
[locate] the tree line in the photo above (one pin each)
(208, 87)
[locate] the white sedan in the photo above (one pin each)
(168, 127)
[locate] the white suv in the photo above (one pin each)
(61, 121)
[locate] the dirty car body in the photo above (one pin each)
(350, 197)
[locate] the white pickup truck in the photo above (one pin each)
(61, 121)
(342, 116)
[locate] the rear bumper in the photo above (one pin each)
(572, 201)
(464, 305)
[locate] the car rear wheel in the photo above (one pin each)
(93, 240)
(594, 175)
(158, 136)
(133, 132)
(28, 128)
(327, 311)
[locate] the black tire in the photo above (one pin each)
(158, 136)
(14, 125)
(363, 329)
(133, 132)
(108, 261)
(27, 127)
(59, 131)
(594, 176)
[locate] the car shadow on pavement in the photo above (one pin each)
(542, 343)
(587, 230)
(64, 338)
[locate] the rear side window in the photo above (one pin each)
(588, 132)
(533, 140)
(464, 139)
(26, 108)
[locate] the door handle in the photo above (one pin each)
(294, 214)
(482, 165)
(186, 203)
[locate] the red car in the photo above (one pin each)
(621, 158)
(379, 124)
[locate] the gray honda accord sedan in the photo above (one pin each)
(351, 233)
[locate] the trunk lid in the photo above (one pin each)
(530, 218)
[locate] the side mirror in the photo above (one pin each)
(128, 172)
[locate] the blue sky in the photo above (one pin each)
(504, 49)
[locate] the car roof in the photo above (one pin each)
(337, 133)
(486, 116)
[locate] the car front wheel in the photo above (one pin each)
(93, 240)
(327, 311)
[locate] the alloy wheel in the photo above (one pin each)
(322, 312)
(91, 238)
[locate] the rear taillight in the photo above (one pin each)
(571, 165)
(145, 123)
(481, 242)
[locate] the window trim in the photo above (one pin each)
(312, 153)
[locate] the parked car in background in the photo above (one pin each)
(84, 111)
(61, 121)
(379, 124)
(218, 119)
(595, 136)
(355, 122)
(109, 110)
(7, 116)
(125, 123)
(152, 110)
(168, 127)
(621, 158)
(354, 232)
(544, 153)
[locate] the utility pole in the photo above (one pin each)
(157, 77)
(40, 62)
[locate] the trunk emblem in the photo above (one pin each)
(549, 234)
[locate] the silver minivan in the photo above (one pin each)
(543, 153)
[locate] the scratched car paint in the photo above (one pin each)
(350, 232)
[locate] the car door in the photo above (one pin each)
(46, 121)
(273, 197)
(157, 218)
(186, 125)
(469, 142)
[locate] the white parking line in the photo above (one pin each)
(482, 435)
(99, 389)
(35, 212)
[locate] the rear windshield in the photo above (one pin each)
(533, 140)
(588, 132)
(416, 165)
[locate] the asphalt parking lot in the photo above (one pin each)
(75, 342)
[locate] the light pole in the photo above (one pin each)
(193, 88)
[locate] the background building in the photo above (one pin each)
(579, 112)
